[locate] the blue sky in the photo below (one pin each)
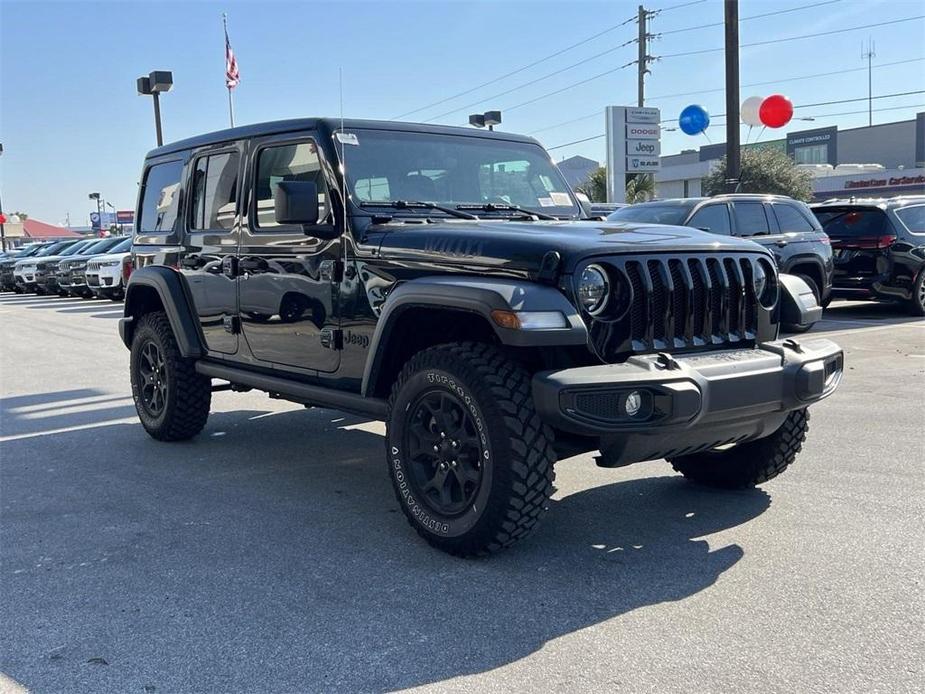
(71, 123)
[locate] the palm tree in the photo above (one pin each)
(640, 188)
(595, 185)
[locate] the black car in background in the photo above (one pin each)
(879, 247)
(7, 284)
(784, 226)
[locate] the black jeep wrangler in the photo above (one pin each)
(443, 280)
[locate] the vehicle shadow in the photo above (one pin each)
(270, 554)
(24, 415)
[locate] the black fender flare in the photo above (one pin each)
(797, 302)
(171, 289)
(481, 296)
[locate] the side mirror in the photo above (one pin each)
(296, 202)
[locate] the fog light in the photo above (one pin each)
(633, 403)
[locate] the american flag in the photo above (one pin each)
(232, 76)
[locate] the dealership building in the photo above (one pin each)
(872, 161)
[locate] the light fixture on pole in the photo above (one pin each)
(155, 84)
(99, 211)
(489, 118)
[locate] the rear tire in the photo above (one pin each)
(171, 398)
(751, 463)
(470, 461)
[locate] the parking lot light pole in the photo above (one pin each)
(153, 85)
(733, 156)
(99, 214)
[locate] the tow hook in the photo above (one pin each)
(790, 343)
(666, 361)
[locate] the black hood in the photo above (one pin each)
(520, 246)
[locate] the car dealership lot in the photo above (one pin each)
(269, 553)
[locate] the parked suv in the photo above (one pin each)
(7, 281)
(28, 271)
(70, 273)
(106, 275)
(879, 248)
(784, 226)
(456, 293)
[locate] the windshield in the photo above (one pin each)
(452, 170)
(651, 214)
(100, 246)
(123, 246)
(54, 248)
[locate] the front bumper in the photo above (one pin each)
(692, 401)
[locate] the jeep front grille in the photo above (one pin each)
(682, 303)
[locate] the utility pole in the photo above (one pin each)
(870, 53)
(642, 60)
(733, 161)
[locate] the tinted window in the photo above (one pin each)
(713, 218)
(215, 192)
(292, 162)
(791, 219)
(124, 246)
(913, 218)
(848, 222)
(651, 214)
(751, 219)
(100, 246)
(160, 198)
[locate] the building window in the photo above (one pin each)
(813, 154)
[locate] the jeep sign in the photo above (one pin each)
(646, 148)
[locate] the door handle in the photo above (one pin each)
(781, 243)
(230, 266)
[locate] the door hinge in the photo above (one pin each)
(331, 270)
(232, 324)
(332, 338)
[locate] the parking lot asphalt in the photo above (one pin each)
(269, 553)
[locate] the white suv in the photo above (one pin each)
(107, 274)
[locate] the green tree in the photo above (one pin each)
(640, 188)
(595, 185)
(763, 170)
(22, 216)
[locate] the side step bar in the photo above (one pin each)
(374, 408)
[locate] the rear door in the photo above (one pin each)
(288, 277)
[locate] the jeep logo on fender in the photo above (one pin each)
(351, 338)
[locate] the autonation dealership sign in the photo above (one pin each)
(633, 146)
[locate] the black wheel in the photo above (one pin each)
(470, 461)
(751, 463)
(171, 399)
(917, 303)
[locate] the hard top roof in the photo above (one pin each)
(330, 124)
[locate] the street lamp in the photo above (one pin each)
(489, 118)
(2, 218)
(154, 84)
(99, 214)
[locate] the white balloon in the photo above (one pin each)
(749, 110)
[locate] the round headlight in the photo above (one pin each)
(593, 289)
(764, 280)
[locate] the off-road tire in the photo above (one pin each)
(748, 464)
(189, 394)
(916, 304)
(517, 475)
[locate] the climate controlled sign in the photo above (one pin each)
(632, 145)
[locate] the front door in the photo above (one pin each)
(211, 242)
(288, 278)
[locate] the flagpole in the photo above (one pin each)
(230, 89)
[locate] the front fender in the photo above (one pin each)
(481, 296)
(798, 305)
(161, 288)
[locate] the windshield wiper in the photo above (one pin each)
(418, 205)
(492, 207)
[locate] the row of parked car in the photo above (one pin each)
(88, 268)
(841, 248)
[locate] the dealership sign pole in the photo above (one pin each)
(633, 146)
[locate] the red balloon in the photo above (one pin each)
(775, 111)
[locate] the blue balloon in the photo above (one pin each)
(694, 120)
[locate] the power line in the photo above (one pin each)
(520, 69)
(754, 16)
(708, 50)
(698, 92)
(531, 82)
(723, 115)
(797, 38)
(677, 7)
